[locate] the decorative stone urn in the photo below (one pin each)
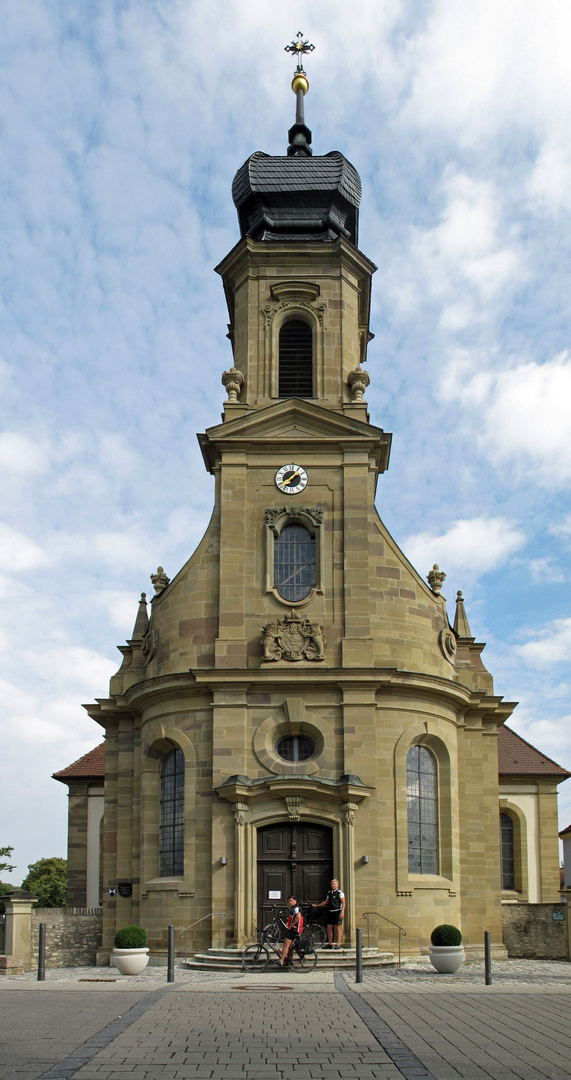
(446, 958)
(130, 961)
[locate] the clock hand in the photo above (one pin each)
(291, 479)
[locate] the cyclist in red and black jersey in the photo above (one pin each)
(294, 927)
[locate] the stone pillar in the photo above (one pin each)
(240, 810)
(348, 886)
(19, 929)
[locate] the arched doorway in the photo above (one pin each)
(293, 857)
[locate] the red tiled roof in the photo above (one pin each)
(90, 765)
(516, 757)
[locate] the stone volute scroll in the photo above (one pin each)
(293, 638)
(358, 381)
(349, 810)
(233, 382)
(240, 809)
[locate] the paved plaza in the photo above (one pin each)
(93, 1024)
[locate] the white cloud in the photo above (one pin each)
(20, 456)
(523, 413)
(545, 569)
(121, 607)
(17, 552)
(468, 262)
(469, 547)
(551, 646)
(72, 665)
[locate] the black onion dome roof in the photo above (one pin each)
(298, 197)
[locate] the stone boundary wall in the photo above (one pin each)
(529, 931)
(73, 936)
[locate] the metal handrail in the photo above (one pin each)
(212, 914)
(401, 929)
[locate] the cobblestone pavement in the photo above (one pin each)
(410, 1023)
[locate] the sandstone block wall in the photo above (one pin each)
(529, 931)
(72, 936)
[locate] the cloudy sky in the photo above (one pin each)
(122, 125)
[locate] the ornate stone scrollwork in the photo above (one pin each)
(436, 578)
(272, 513)
(149, 644)
(358, 382)
(233, 381)
(293, 638)
(271, 310)
(239, 810)
(160, 580)
(294, 804)
(349, 809)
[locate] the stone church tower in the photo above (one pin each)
(298, 707)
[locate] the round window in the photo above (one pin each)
(295, 748)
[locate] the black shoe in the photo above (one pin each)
(328, 946)
(337, 946)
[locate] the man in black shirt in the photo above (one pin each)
(335, 904)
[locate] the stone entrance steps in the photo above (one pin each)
(230, 959)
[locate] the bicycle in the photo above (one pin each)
(313, 932)
(301, 957)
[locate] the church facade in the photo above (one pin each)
(297, 706)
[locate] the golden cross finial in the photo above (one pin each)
(299, 47)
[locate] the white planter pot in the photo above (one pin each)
(130, 961)
(446, 958)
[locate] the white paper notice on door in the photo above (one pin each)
(274, 894)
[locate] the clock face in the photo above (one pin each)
(291, 478)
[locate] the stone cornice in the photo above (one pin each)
(475, 708)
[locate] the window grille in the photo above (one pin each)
(507, 851)
(294, 563)
(171, 829)
(295, 360)
(422, 810)
(295, 748)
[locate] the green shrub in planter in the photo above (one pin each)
(131, 937)
(446, 935)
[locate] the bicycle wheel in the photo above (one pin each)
(315, 934)
(303, 961)
(271, 933)
(255, 958)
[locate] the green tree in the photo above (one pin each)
(5, 853)
(47, 879)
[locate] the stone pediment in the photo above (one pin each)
(298, 421)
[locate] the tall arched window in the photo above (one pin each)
(294, 562)
(295, 360)
(422, 810)
(171, 829)
(507, 851)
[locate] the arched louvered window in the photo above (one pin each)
(294, 562)
(295, 360)
(507, 851)
(171, 828)
(422, 810)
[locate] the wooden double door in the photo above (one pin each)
(293, 859)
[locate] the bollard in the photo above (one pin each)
(42, 953)
(359, 971)
(170, 970)
(487, 959)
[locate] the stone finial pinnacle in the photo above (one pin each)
(461, 624)
(142, 620)
(435, 579)
(160, 580)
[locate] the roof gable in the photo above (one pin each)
(90, 766)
